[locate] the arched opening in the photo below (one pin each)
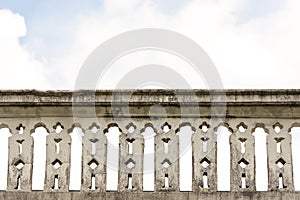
(112, 133)
(261, 168)
(148, 167)
(4, 135)
(185, 156)
(76, 158)
(39, 156)
(223, 157)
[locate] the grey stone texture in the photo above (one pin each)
(242, 159)
(166, 159)
(94, 159)
(204, 158)
(20, 160)
(89, 110)
(131, 159)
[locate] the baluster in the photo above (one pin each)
(280, 158)
(204, 159)
(166, 163)
(242, 159)
(131, 159)
(94, 159)
(20, 160)
(58, 159)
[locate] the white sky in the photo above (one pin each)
(254, 44)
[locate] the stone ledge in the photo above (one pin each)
(146, 97)
(149, 195)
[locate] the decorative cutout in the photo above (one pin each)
(93, 182)
(204, 144)
(131, 127)
(130, 146)
(280, 163)
(94, 127)
(277, 127)
(55, 184)
(280, 182)
(58, 127)
(19, 164)
(243, 145)
(20, 146)
(242, 127)
(130, 163)
(166, 163)
(129, 184)
(243, 179)
(243, 163)
(204, 127)
(205, 162)
(21, 129)
(18, 187)
(205, 181)
(278, 144)
(56, 164)
(166, 127)
(57, 146)
(93, 143)
(93, 164)
(166, 186)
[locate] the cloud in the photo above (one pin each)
(19, 68)
(258, 53)
(252, 51)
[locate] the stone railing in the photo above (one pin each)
(166, 112)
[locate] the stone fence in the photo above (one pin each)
(166, 112)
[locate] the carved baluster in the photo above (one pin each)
(58, 160)
(280, 158)
(242, 159)
(94, 159)
(20, 160)
(204, 159)
(131, 159)
(166, 163)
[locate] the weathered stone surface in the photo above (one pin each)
(58, 161)
(166, 111)
(131, 159)
(204, 158)
(242, 159)
(166, 159)
(20, 160)
(94, 159)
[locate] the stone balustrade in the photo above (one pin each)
(166, 112)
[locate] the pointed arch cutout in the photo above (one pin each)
(39, 124)
(226, 125)
(260, 125)
(110, 126)
(148, 125)
(183, 124)
(5, 126)
(75, 125)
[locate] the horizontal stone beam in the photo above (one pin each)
(137, 103)
(150, 195)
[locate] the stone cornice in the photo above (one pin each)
(146, 97)
(176, 103)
